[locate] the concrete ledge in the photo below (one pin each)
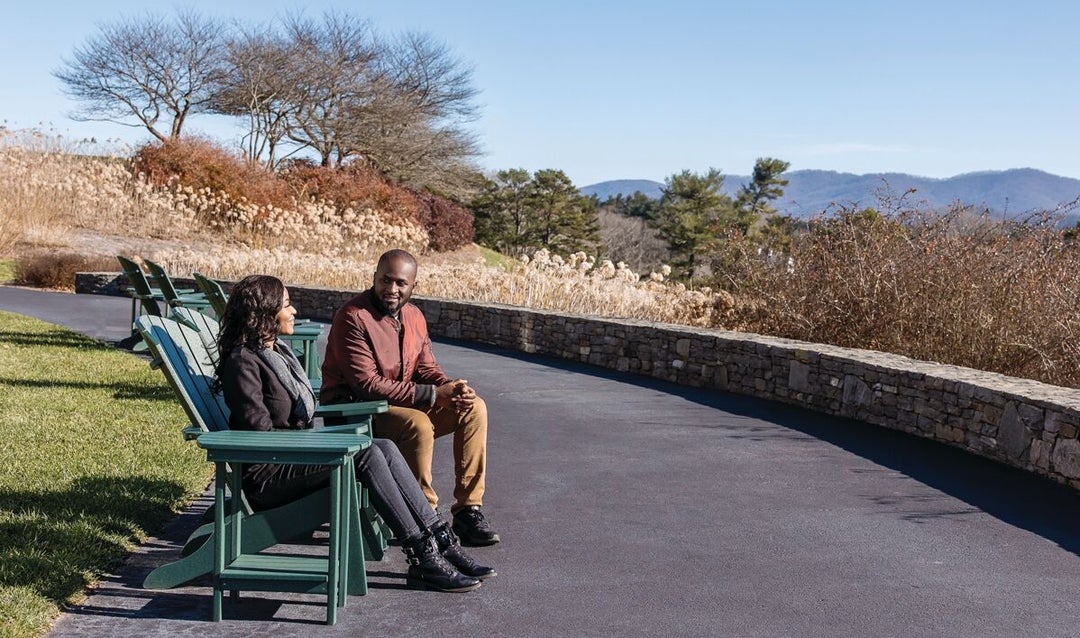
(1023, 423)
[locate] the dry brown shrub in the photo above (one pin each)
(40, 173)
(353, 186)
(13, 222)
(52, 198)
(200, 164)
(631, 240)
(954, 288)
(57, 271)
(448, 225)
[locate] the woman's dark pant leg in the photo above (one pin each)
(380, 468)
(407, 485)
(374, 472)
(285, 484)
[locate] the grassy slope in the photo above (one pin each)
(493, 258)
(91, 462)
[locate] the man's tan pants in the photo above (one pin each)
(415, 431)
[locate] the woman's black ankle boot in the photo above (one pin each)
(427, 566)
(450, 548)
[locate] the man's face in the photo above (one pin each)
(393, 284)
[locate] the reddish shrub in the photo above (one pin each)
(448, 225)
(351, 185)
(200, 163)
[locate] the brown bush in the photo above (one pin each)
(200, 163)
(448, 225)
(354, 185)
(953, 288)
(57, 271)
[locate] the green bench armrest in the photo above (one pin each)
(338, 411)
(334, 411)
(343, 410)
(304, 447)
(349, 428)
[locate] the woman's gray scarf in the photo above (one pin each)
(291, 374)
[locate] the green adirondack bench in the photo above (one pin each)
(174, 297)
(215, 294)
(235, 567)
(207, 327)
(181, 353)
(142, 293)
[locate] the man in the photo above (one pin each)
(378, 348)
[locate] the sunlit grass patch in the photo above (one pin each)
(23, 612)
(495, 259)
(91, 463)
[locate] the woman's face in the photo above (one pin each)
(286, 316)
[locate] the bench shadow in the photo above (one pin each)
(1019, 498)
(64, 338)
(121, 594)
(185, 605)
(119, 390)
(55, 338)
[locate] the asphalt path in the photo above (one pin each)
(630, 507)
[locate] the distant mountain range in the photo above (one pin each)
(1015, 192)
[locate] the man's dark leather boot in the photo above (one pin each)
(450, 548)
(428, 567)
(472, 528)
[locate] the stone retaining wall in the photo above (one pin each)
(1026, 424)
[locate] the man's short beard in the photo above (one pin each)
(382, 307)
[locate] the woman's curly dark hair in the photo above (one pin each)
(250, 316)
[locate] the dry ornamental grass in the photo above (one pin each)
(954, 288)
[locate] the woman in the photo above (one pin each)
(266, 389)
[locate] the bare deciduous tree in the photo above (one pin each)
(631, 240)
(347, 95)
(331, 66)
(330, 86)
(256, 87)
(436, 83)
(149, 69)
(422, 139)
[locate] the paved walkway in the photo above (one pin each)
(635, 508)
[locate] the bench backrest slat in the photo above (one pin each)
(207, 328)
(140, 284)
(164, 282)
(189, 369)
(214, 293)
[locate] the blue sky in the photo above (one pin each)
(643, 90)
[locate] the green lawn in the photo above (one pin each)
(91, 463)
(7, 270)
(494, 259)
